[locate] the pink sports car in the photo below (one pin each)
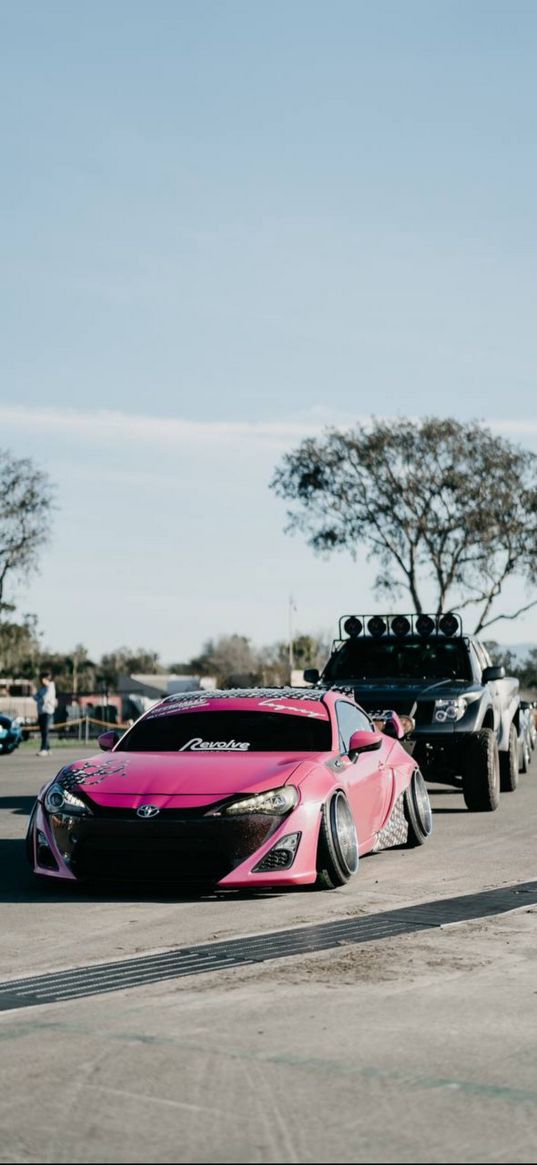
(268, 787)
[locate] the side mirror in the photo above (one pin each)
(107, 740)
(395, 727)
(364, 742)
(497, 672)
(311, 675)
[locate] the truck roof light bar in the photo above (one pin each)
(400, 626)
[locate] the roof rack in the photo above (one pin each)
(400, 626)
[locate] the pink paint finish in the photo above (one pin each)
(186, 774)
(187, 790)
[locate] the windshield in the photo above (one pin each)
(236, 732)
(430, 659)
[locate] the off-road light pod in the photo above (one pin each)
(376, 627)
(449, 624)
(400, 626)
(425, 625)
(353, 626)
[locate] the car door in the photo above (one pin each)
(367, 779)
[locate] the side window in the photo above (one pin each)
(480, 653)
(486, 656)
(350, 719)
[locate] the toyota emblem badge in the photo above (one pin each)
(146, 811)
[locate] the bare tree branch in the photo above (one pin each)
(515, 615)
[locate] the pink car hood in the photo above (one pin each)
(123, 778)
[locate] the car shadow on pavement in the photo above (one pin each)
(442, 791)
(19, 884)
(18, 804)
(443, 809)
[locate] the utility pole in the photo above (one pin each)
(292, 609)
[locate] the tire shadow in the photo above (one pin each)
(18, 804)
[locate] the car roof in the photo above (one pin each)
(184, 700)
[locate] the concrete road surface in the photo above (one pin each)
(416, 1047)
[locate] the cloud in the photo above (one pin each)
(520, 427)
(112, 425)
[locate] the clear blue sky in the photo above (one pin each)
(268, 215)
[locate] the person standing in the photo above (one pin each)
(46, 701)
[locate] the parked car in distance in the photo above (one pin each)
(10, 733)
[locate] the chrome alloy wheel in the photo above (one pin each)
(344, 832)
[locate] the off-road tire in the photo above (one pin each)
(337, 856)
(524, 758)
(481, 776)
(509, 763)
(418, 812)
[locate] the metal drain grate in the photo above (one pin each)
(218, 956)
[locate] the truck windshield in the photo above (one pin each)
(399, 659)
(236, 732)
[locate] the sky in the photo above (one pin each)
(226, 224)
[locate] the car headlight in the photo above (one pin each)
(275, 802)
(58, 800)
(449, 710)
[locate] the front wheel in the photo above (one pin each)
(509, 763)
(481, 776)
(337, 853)
(418, 811)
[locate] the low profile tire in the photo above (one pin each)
(509, 764)
(418, 811)
(481, 777)
(337, 853)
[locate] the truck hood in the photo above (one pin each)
(124, 778)
(411, 689)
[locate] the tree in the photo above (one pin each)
(439, 501)
(73, 671)
(231, 659)
(527, 670)
(308, 651)
(20, 648)
(126, 661)
(25, 514)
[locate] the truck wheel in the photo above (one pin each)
(417, 811)
(337, 854)
(481, 778)
(509, 764)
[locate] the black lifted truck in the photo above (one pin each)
(465, 710)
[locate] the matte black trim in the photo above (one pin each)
(181, 962)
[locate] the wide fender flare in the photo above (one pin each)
(320, 783)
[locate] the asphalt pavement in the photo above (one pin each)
(417, 1046)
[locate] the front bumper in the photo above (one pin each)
(177, 847)
(440, 754)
